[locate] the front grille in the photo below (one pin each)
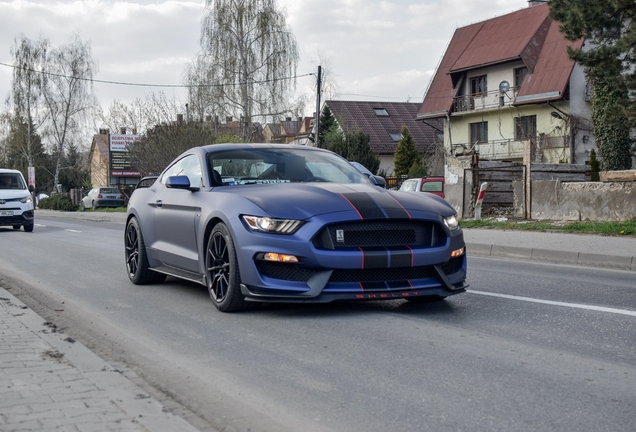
(379, 234)
(383, 275)
(283, 271)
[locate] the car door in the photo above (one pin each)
(176, 215)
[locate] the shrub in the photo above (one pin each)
(57, 202)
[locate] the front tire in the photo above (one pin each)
(28, 227)
(137, 266)
(223, 278)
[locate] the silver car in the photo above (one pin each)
(102, 197)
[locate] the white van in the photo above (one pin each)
(16, 202)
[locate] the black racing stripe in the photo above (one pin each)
(375, 258)
(390, 205)
(367, 208)
(399, 285)
(373, 286)
(401, 257)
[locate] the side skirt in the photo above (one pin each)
(180, 273)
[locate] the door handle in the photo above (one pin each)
(158, 203)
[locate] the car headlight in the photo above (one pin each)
(451, 222)
(271, 225)
(26, 199)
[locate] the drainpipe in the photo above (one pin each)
(450, 137)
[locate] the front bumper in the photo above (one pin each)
(362, 273)
(24, 218)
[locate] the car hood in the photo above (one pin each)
(303, 200)
(13, 193)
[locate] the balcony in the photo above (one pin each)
(484, 101)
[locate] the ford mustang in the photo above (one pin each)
(282, 223)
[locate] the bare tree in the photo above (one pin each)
(67, 91)
(26, 90)
(141, 114)
(251, 57)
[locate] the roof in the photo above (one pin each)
(361, 115)
(100, 141)
(528, 35)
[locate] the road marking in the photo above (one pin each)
(40, 225)
(555, 303)
(70, 230)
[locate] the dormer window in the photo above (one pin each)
(380, 112)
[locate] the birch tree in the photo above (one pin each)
(67, 93)
(26, 94)
(250, 56)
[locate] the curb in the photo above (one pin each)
(117, 389)
(553, 256)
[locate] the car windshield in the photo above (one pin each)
(11, 181)
(275, 165)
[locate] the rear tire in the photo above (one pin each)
(222, 272)
(28, 227)
(137, 266)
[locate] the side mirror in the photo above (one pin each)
(378, 181)
(179, 182)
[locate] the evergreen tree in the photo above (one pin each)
(327, 120)
(406, 153)
(609, 66)
(594, 166)
(353, 146)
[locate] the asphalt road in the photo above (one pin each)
(530, 347)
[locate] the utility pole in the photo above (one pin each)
(317, 119)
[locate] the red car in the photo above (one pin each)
(434, 185)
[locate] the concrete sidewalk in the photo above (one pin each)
(49, 382)
(556, 247)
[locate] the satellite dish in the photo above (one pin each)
(504, 86)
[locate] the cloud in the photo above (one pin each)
(379, 48)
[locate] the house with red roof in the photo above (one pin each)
(508, 82)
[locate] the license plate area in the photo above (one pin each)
(6, 212)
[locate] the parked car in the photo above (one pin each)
(434, 185)
(16, 201)
(102, 197)
(295, 232)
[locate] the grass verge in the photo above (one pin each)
(627, 228)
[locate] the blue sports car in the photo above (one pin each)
(283, 223)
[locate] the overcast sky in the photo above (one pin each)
(376, 49)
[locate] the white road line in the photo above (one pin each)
(555, 303)
(70, 230)
(40, 225)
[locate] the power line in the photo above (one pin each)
(154, 85)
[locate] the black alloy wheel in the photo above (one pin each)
(223, 279)
(136, 260)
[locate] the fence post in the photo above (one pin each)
(480, 200)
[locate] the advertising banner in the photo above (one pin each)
(120, 164)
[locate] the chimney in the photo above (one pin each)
(104, 131)
(122, 131)
(287, 118)
(134, 131)
(228, 119)
(535, 2)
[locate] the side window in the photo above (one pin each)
(188, 166)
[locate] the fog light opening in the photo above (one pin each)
(458, 252)
(276, 257)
